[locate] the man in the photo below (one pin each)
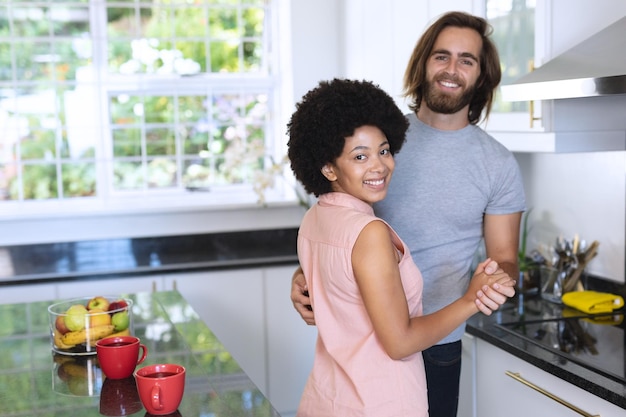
(453, 185)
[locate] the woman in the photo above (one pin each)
(363, 284)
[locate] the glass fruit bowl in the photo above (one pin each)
(76, 324)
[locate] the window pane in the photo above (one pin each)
(8, 174)
(79, 180)
(162, 173)
(159, 109)
(40, 181)
(160, 141)
(514, 36)
(69, 21)
(199, 173)
(30, 21)
(127, 142)
(195, 139)
(33, 61)
(126, 109)
(6, 70)
(128, 175)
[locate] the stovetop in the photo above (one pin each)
(594, 341)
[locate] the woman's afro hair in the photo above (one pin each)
(328, 114)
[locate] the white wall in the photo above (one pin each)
(581, 193)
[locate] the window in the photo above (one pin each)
(108, 100)
(513, 22)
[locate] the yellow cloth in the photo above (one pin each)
(593, 302)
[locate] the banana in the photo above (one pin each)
(58, 341)
(125, 332)
(91, 334)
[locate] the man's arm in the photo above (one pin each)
(300, 297)
(502, 240)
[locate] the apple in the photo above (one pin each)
(120, 321)
(98, 302)
(117, 305)
(98, 317)
(75, 317)
(59, 324)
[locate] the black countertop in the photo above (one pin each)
(65, 261)
(23, 264)
(520, 327)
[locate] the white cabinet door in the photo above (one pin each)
(499, 394)
(467, 389)
(27, 293)
(114, 286)
(230, 302)
(290, 342)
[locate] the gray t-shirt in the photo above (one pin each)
(443, 184)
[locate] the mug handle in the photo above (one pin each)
(156, 397)
(144, 353)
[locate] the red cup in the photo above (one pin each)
(161, 387)
(119, 355)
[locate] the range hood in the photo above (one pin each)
(594, 67)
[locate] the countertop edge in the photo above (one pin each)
(147, 271)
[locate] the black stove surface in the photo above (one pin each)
(597, 342)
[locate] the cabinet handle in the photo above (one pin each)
(516, 376)
(531, 110)
(531, 103)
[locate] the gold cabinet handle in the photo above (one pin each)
(531, 110)
(516, 376)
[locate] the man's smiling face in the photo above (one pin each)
(452, 70)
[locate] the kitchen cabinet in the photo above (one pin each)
(467, 387)
(250, 311)
(551, 127)
(501, 389)
(113, 286)
(27, 293)
(81, 288)
(230, 302)
(290, 342)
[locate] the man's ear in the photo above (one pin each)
(329, 172)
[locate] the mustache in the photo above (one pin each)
(449, 77)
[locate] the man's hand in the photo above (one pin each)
(300, 297)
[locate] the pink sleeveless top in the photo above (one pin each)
(352, 375)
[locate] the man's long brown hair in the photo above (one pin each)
(490, 72)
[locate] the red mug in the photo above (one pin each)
(161, 387)
(119, 355)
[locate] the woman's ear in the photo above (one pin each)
(329, 173)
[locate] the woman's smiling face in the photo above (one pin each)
(365, 166)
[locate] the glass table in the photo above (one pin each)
(34, 381)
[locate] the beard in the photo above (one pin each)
(444, 103)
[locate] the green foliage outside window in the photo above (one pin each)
(157, 140)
